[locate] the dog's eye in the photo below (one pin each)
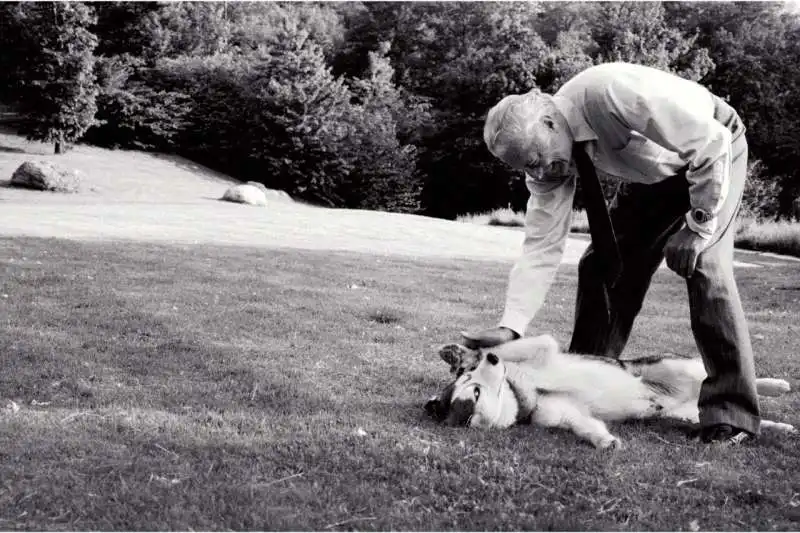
(477, 393)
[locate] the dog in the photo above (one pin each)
(531, 380)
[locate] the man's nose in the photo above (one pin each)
(536, 172)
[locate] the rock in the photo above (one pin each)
(45, 176)
(274, 194)
(258, 184)
(245, 194)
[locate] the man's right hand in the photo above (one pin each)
(488, 337)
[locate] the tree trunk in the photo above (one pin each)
(58, 147)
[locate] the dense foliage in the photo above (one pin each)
(54, 68)
(379, 105)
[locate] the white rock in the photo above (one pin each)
(45, 176)
(245, 194)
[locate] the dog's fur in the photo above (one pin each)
(531, 380)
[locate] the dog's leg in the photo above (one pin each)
(686, 411)
(560, 411)
(540, 349)
(777, 427)
(772, 386)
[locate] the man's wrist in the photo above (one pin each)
(701, 222)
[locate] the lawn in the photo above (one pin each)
(211, 387)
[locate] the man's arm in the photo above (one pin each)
(547, 222)
(682, 123)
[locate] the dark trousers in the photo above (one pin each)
(644, 217)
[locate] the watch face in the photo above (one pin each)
(700, 216)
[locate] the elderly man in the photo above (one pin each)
(682, 155)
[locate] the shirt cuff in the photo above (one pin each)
(515, 321)
(705, 230)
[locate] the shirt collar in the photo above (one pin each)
(577, 124)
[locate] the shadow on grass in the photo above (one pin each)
(11, 150)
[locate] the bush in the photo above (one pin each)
(760, 200)
(133, 111)
(776, 237)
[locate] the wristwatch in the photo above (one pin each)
(701, 216)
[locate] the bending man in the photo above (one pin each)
(682, 154)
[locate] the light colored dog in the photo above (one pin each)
(531, 380)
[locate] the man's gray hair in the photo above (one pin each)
(510, 120)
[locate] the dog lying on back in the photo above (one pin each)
(531, 381)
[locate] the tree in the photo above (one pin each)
(387, 120)
(57, 85)
(756, 51)
(638, 32)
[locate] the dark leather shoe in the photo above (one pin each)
(488, 337)
(725, 434)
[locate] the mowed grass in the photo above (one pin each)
(204, 387)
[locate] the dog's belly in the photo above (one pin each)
(600, 389)
(611, 404)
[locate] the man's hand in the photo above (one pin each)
(488, 337)
(682, 251)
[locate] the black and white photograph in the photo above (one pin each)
(399, 265)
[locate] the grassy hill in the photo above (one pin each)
(115, 175)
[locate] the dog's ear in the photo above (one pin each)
(459, 357)
(452, 354)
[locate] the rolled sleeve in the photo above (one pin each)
(547, 222)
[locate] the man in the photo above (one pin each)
(682, 153)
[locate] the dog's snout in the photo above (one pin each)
(460, 412)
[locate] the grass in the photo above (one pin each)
(210, 387)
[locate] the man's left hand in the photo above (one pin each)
(682, 251)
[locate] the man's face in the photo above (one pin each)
(543, 150)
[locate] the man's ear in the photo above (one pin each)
(492, 358)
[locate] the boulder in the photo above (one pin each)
(258, 184)
(45, 176)
(272, 194)
(245, 194)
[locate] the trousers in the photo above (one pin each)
(644, 216)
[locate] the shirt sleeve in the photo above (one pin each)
(684, 124)
(547, 222)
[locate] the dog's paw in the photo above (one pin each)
(609, 443)
(459, 357)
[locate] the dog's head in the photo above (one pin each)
(473, 399)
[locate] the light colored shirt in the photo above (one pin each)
(643, 125)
